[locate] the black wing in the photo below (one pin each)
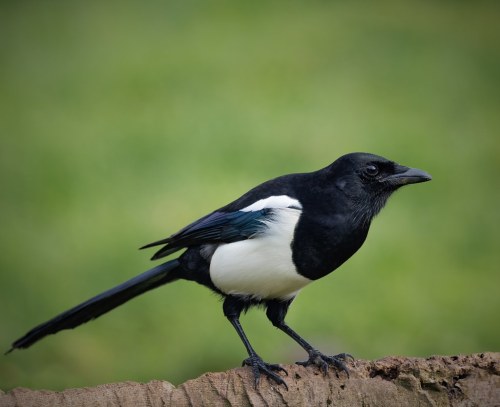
(217, 227)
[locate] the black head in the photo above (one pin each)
(368, 180)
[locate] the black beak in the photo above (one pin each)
(405, 175)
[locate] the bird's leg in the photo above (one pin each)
(232, 310)
(276, 311)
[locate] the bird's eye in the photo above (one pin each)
(371, 170)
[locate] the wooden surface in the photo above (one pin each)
(472, 380)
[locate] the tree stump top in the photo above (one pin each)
(472, 380)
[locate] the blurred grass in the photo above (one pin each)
(121, 122)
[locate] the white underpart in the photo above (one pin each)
(261, 267)
(278, 201)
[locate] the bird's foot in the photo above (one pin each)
(259, 366)
(324, 361)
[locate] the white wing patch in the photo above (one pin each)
(278, 201)
(262, 267)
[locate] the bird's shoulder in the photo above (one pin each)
(239, 220)
(272, 193)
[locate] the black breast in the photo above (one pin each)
(323, 243)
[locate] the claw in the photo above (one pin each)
(344, 356)
(259, 366)
(323, 361)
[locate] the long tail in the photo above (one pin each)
(102, 303)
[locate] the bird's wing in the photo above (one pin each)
(236, 221)
(217, 227)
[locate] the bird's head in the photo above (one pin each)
(368, 180)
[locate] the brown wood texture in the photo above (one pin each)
(472, 380)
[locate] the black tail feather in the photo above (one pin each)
(102, 303)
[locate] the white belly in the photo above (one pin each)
(262, 267)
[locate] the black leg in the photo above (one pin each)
(233, 307)
(276, 312)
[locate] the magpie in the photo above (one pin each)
(263, 248)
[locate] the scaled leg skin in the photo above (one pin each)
(233, 307)
(276, 312)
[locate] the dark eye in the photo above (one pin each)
(371, 170)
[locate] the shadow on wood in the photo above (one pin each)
(393, 381)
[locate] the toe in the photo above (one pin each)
(344, 356)
(259, 366)
(277, 368)
(323, 361)
(278, 379)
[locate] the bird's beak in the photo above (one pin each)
(405, 175)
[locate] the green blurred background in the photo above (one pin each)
(121, 122)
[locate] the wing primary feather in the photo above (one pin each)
(157, 243)
(217, 227)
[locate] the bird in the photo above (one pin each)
(263, 248)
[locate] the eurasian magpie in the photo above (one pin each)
(264, 247)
